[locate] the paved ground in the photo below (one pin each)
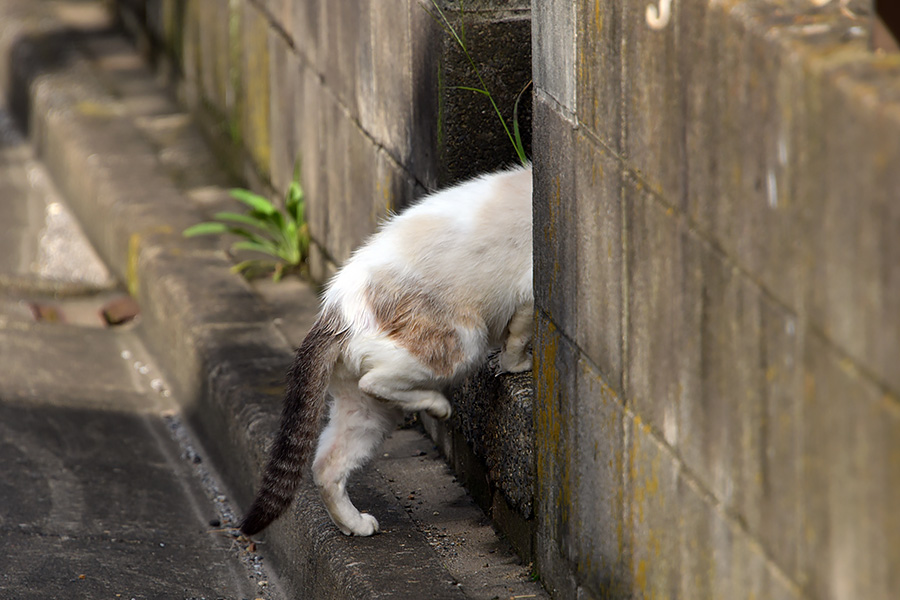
(102, 491)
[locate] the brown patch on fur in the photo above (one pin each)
(418, 321)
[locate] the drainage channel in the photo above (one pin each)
(106, 492)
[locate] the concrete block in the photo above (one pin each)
(255, 88)
(555, 218)
(598, 257)
(597, 464)
(772, 498)
(664, 279)
(310, 137)
(427, 43)
(599, 69)
(745, 150)
(556, 359)
(306, 28)
(394, 188)
(655, 507)
(553, 37)
(340, 47)
(851, 477)
(186, 28)
(855, 292)
(681, 545)
(384, 84)
(350, 171)
(282, 104)
(233, 98)
(654, 102)
(280, 15)
(714, 370)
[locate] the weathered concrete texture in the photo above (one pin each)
(97, 500)
(553, 38)
(489, 443)
(599, 70)
(681, 545)
(502, 435)
(724, 264)
(577, 228)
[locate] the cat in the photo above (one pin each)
(416, 308)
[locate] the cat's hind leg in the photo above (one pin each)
(398, 389)
(356, 429)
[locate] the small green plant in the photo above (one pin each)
(460, 38)
(281, 234)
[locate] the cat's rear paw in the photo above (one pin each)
(515, 363)
(365, 526)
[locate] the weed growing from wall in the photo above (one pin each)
(459, 36)
(283, 235)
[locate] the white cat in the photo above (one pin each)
(415, 309)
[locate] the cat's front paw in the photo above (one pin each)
(440, 410)
(365, 526)
(515, 362)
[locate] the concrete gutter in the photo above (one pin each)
(128, 161)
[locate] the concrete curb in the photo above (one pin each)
(86, 104)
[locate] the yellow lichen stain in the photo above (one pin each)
(384, 188)
(809, 387)
(131, 267)
(596, 171)
(134, 253)
(598, 19)
(771, 374)
(89, 108)
(848, 367)
(640, 576)
(550, 232)
(546, 413)
(892, 404)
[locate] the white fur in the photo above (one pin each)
(469, 245)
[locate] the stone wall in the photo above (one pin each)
(363, 94)
(717, 271)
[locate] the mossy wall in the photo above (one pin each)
(717, 272)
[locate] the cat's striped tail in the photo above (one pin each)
(304, 406)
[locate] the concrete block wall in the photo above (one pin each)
(717, 275)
